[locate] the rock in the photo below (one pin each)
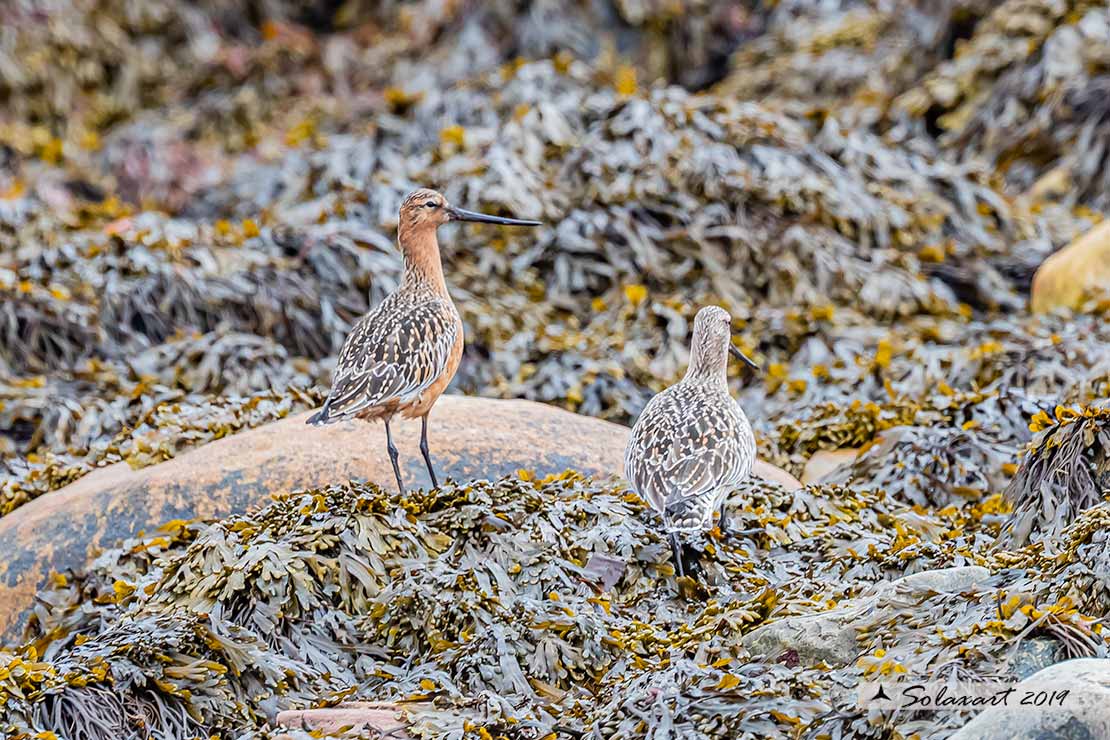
(1036, 653)
(808, 638)
(831, 636)
(767, 471)
(1085, 716)
(824, 462)
(351, 716)
(1079, 269)
(469, 437)
(941, 580)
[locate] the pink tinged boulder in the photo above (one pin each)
(1078, 271)
(470, 438)
(386, 719)
(824, 462)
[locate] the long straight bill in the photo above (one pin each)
(460, 214)
(742, 357)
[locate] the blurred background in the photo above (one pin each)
(197, 199)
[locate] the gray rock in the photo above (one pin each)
(808, 638)
(831, 636)
(942, 580)
(1085, 717)
(1035, 654)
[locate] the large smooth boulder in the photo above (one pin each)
(1085, 714)
(469, 438)
(1079, 269)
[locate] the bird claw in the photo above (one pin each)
(689, 569)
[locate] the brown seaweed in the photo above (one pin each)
(196, 201)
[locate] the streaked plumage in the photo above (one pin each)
(399, 358)
(693, 444)
(393, 355)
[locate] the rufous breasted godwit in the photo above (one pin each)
(400, 357)
(693, 444)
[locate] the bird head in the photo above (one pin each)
(713, 338)
(427, 209)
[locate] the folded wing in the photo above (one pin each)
(393, 354)
(682, 452)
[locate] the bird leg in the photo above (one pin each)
(393, 457)
(424, 449)
(676, 552)
(722, 520)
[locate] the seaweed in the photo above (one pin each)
(481, 607)
(198, 200)
(1065, 471)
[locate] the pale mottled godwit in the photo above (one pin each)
(400, 357)
(693, 444)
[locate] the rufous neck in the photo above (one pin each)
(423, 267)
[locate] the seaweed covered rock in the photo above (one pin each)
(345, 580)
(831, 637)
(482, 438)
(475, 438)
(1065, 472)
(808, 639)
(926, 466)
(483, 606)
(144, 410)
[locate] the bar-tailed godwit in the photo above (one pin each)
(400, 357)
(693, 444)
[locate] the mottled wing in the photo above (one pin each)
(392, 354)
(661, 463)
(643, 460)
(684, 450)
(708, 453)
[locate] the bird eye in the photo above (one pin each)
(432, 204)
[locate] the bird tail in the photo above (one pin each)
(691, 514)
(685, 523)
(320, 417)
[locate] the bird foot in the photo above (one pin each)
(691, 564)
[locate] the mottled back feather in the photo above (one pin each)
(689, 448)
(393, 354)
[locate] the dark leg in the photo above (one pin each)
(722, 520)
(393, 457)
(424, 449)
(676, 552)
